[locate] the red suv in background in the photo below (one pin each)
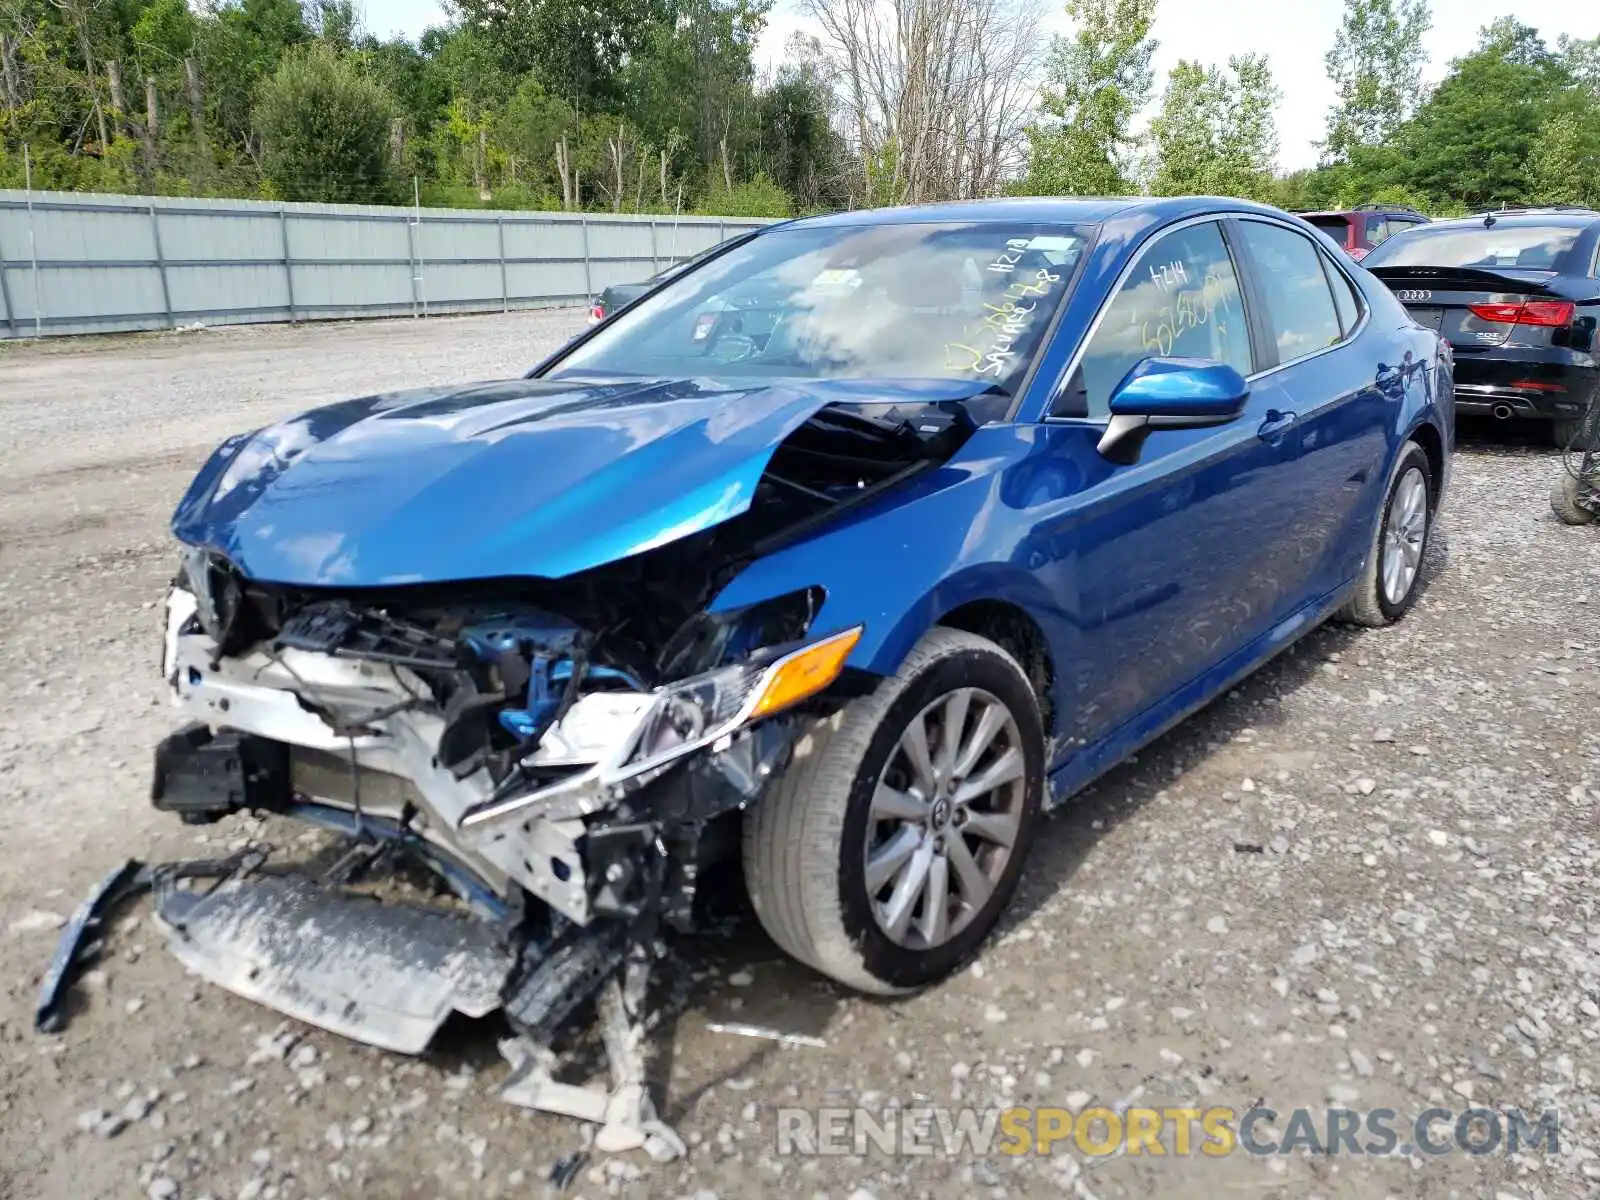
(1361, 229)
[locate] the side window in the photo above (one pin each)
(1344, 296)
(1300, 304)
(1181, 300)
(1378, 231)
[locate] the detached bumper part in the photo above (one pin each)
(385, 974)
(79, 943)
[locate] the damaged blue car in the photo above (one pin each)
(845, 553)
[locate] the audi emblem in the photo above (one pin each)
(1414, 297)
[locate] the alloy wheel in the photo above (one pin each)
(1405, 531)
(945, 817)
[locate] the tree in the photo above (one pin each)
(1581, 59)
(240, 45)
(1215, 133)
(324, 129)
(692, 82)
(1096, 83)
(1376, 68)
(1471, 141)
(337, 22)
(798, 146)
(934, 94)
(1564, 165)
(574, 47)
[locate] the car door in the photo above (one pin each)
(1178, 553)
(1343, 400)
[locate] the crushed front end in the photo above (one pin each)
(563, 779)
(477, 636)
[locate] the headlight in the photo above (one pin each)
(696, 712)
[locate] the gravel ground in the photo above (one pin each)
(1365, 876)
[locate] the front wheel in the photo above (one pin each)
(888, 850)
(1388, 586)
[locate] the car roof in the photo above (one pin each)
(1382, 210)
(1088, 210)
(1523, 217)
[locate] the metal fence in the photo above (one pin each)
(76, 263)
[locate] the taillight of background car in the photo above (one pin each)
(1554, 314)
(597, 313)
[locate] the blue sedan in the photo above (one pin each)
(848, 551)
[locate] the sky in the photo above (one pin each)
(1293, 34)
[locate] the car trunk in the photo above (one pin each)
(1480, 310)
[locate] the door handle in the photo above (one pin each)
(1276, 425)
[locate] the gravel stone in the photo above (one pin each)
(90, 1119)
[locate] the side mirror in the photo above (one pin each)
(1170, 393)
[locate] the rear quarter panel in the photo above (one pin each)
(1424, 389)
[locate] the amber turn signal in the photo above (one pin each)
(804, 673)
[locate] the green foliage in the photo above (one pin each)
(694, 77)
(1097, 81)
(1376, 69)
(241, 46)
(1472, 139)
(1215, 133)
(575, 47)
(654, 104)
(1511, 122)
(54, 168)
(164, 33)
(797, 145)
(757, 197)
(1581, 58)
(1564, 164)
(325, 130)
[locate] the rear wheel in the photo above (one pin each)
(1568, 433)
(1564, 502)
(1388, 586)
(888, 850)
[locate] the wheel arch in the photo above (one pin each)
(1426, 435)
(1014, 630)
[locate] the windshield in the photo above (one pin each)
(1530, 247)
(943, 301)
(678, 268)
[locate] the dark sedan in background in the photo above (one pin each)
(619, 295)
(1517, 294)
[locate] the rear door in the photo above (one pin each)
(1342, 399)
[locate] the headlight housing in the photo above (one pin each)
(696, 712)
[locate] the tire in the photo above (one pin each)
(1564, 502)
(807, 842)
(1567, 433)
(1371, 605)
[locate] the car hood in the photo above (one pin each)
(528, 477)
